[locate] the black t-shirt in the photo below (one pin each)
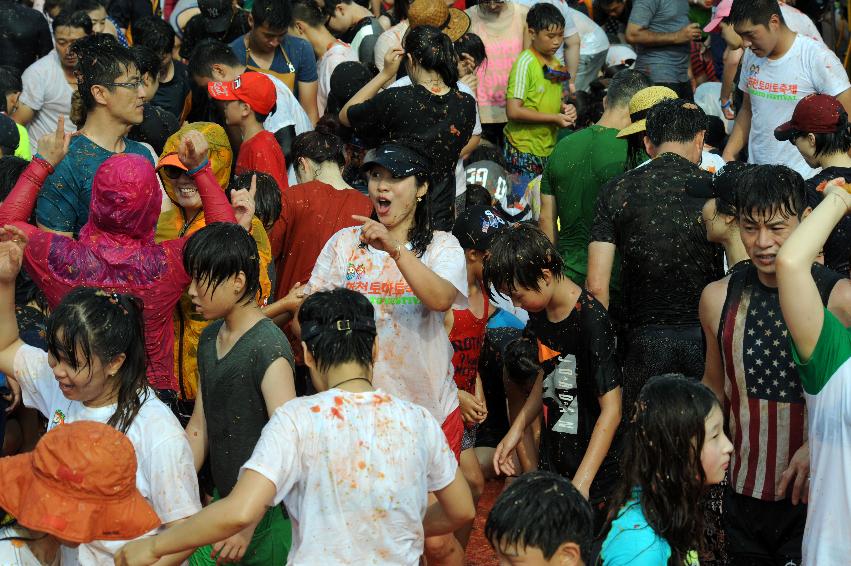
(125, 12)
(171, 96)
(24, 35)
(837, 248)
(666, 260)
(577, 355)
(441, 125)
(196, 31)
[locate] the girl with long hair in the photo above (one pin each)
(674, 448)
(95, 370)
(431, 113)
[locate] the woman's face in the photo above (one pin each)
(394, 199)
(715, 454)
(93, 383)
(185, 192)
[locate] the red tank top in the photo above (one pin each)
(468, 333)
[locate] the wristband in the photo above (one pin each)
(37, 158)
(725, 105)
(194, 171)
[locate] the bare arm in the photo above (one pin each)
(845, 100)
(196, 433)
(277, 385)
(711, 304)
(638, 35)
(307, 98)
(516, 112)
(731, 66)
(547, 221)
(392, 60)
(12, 244)
(571, 56)
(800, 301)
(601, 440)
(741, 130)
(601, 258)
(502, 462)
(434, 291)
(454, 508)
(471, 145)
(23, 114)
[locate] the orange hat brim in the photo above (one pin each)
(171, 160)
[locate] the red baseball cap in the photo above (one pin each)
(255, 89)
(814, 114)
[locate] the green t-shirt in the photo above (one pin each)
(579, 165)
(23, 150)
(527, 83)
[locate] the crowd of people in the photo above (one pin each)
(290, 281)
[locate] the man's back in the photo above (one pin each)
(24, 35)
(579, 165)
(665, 258)
(354, 470)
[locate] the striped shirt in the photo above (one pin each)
(763, 398)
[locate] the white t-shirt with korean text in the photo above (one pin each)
(414, 353)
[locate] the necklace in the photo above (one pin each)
(337, 386)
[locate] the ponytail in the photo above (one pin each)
(432, 50)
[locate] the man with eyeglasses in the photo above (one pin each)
(112, 93)
(49, 83)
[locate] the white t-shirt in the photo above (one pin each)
(776, 86)
(338, 53)
(165, 473)
(414, 352)
(592, 37)
(354, 471)
(288, 111)
(48, 93)
(17, 552)
(799, 22)
(460, 178)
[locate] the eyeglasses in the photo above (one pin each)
(172, 172)
(134, 85)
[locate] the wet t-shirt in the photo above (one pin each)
(666, 260)
(411, 115)
(837, 248)
(577, 355)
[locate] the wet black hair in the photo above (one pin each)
(544, 17)
(85, 6)
(11, 168)
(308, 12)
(764, 190)
(675, 121)
(103, 325)
(267, 199)
(541, 510)
(477, 195)
(319, 147)
(400, 9)
(521, 362)
(661, 455)
(219, 251)
(518, 257)
(486, 152)
(757, 12)
(277, 14)
(207, 53)
(147, 61)
(432, 49)
(330, 345)
(10, 82)
(472, 45)
(154, 33)
(69, 19)
(624, 85)
(100, 60)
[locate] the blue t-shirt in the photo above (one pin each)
(300, 53)
(63, 203)
(632, 541)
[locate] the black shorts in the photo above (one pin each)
(763, 533)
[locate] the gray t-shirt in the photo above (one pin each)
(667, 63)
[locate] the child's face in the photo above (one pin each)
(215, 303)
(340, 21)
(715, 454)
(547, 41)
(90, 383)
(566, 555)
(529, 299)
(232, 112)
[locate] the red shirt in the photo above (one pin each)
(311, 213)
(467, 336)
(261, 152)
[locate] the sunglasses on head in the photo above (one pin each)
(559, 75)
(172, 172)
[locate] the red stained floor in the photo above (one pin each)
(479, 552)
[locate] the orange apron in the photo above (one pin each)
(287, 78)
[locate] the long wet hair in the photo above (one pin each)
(661, 457)
(91, 323)
(432, 49)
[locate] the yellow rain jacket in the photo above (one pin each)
(173, 224)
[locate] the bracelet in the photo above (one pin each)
(397, 252)
(194, 171)
(725, 105)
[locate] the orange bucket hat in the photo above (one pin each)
(79, 484)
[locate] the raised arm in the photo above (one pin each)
(392, 60)
(800, 300)
(12, 244)
(193, 152)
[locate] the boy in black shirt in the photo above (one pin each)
(581, 379)
(355, 25)
(173, 93)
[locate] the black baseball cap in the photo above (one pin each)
(476, 226)
(400, 160)
(9, 136)
(722, 185)
(217, 15)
